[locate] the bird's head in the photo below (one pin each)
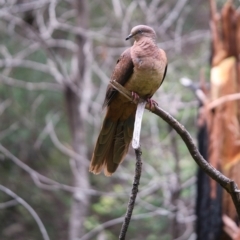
(141, 31)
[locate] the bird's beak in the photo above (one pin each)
(129, 36)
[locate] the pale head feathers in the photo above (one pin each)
(140, 31)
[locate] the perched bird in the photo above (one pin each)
(140, 69)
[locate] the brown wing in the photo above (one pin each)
(164, 75)
(121, 73)
(163, 59)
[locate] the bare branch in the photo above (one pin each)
(194, 36)
(51, 43)
(117, 8)
(127, 17)
(31, 86)
(50, 184)
(131, 203)
(61, 147)
(231, 228)
(115, 221)
(8, 204)
(29, 208)
(173, 15)
(11, 63)
(7, 131)
(17, 8)
(223, 99)
(4, 51)
(4, 105)
(229, 185)
(54, 61)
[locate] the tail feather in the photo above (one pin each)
(119, 144)
(123, 135)
(103, 146)
(128, 129)
(112, 145)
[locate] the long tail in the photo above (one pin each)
(112, 145)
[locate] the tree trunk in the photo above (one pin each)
(80, 202)
(221, 141)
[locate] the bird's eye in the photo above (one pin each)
(140, 31)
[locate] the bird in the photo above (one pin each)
(141, 69)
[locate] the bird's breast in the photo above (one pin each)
(147, 76)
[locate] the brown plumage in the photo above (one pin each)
(140, 69)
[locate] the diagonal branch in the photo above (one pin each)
(30, 210)
(48, 183)
(228, 184)
(115, 221)
(13, 63)
(31, 86)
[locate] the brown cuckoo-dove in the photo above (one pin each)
(140, 69)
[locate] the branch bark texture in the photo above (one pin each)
(131, 203)
(229, 185)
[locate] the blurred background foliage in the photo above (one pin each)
(165, 206)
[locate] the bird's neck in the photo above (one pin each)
(146, 43)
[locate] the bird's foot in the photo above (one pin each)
(152, 103)
(135, 97)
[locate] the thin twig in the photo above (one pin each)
(173, 15)
(8, 204)
(229, 185)
(29, 208)
(48, 183)
(131, 203)
(223, 99)
(31, 86)
(115, 221)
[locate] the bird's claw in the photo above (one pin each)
(152, 103)
(135, 97)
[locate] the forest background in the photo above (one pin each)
(56, 58)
